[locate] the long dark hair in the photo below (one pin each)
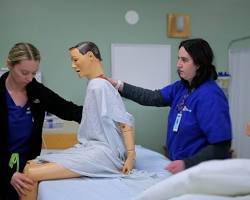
(202, 55)
(86, 46)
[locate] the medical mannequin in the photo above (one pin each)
(86, 61)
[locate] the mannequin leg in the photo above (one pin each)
(44, 171)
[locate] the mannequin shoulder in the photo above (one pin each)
(101, 84)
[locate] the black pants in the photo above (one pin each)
(9, 194)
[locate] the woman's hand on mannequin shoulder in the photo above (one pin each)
(21, 183)
(116, 83)
(176, 166)
(112, 81)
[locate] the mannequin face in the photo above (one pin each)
(80, 62)
(185, 65)
(23, 73)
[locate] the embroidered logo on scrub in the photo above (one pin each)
(36, 101)
(185, 109)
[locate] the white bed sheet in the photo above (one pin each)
(108, 188)
(209, 197)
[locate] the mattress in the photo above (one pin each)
(85, 188)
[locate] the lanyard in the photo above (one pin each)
(180, 107)
(14, 159)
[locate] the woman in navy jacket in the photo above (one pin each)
(23, 104)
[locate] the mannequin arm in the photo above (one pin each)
(248, 129)
(128, 137)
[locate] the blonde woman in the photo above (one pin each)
(23, 103)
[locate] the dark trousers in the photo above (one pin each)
(9, 194)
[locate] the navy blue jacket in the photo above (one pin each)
(41, 100)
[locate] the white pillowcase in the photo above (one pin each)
(217, 177)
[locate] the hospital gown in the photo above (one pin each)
(101, 151)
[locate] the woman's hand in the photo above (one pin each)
(129, 163)
(112, 81)
(176, 166)
(21, 183)
(116, 83)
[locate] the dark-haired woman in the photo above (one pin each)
(199, 126)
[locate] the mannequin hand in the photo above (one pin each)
(21, 183)
(176, 166)
(129, 163)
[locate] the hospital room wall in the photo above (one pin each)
(54, 26)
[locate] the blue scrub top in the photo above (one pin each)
(203, 116)
(20, 128)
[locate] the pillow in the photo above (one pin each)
(218, 177)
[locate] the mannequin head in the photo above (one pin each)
(86, 60)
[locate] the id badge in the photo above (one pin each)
(177, 122)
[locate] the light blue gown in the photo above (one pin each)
(100, 151)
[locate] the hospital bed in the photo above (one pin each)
(149, 163)
(211, 180)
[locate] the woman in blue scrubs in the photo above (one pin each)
(199, 126)
(23, 104)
